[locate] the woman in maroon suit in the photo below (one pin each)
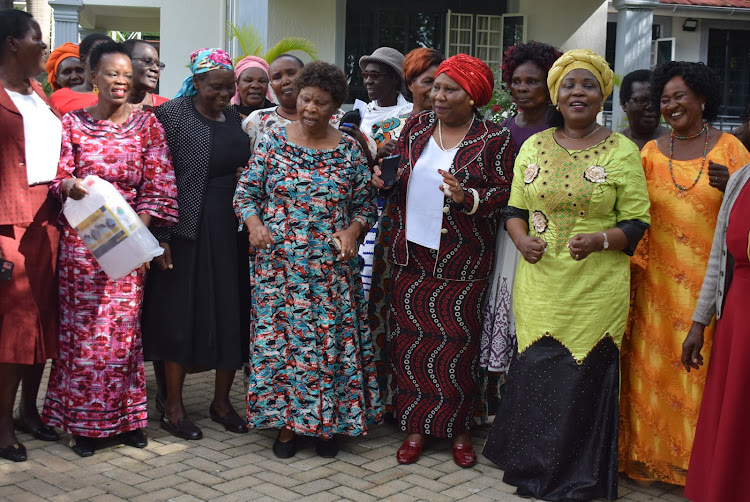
(455, 182)
(30, 136)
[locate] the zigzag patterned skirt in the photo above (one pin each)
(436, 328)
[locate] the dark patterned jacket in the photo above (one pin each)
(16, 200)
(189, 141)
(484, 166)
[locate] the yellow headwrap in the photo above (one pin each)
(576, 59)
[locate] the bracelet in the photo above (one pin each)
(605, 244)
(476, 201)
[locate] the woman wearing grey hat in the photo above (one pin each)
(383, 78)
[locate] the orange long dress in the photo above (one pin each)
(659, 400)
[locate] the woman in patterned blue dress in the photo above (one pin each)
(306, 200)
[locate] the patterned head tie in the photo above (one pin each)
(244, 64)
(201, 61)
(472, 74)
(585, 59)
(65, 51)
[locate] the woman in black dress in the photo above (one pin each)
(194, 314)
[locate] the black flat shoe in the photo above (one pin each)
(524, 493)
(135, 438)
(84, 446)
(326, 449)
(232, 422)
(44, 432)
(184, 429)
(15, 452)
(285, 450)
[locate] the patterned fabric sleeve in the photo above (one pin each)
(363, 206)
(249, 194)
(67, 166)
(493, 198)
(157, 194)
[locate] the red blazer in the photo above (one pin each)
(484, 163)
(16, 202)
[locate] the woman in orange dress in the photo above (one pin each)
(687, 172)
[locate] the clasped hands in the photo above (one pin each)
(579, 246)
(260, 238)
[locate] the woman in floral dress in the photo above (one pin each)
(97, 386)
(306, 200)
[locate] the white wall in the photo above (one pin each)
(687, 43)
(187, 25)
(567, 24)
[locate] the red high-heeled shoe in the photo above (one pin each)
(463, 454)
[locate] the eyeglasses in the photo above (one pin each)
(641, 101)
(150, 62)
(373, 75)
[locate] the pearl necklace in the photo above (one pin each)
(440, 135)
(582, 137)
(672, 136)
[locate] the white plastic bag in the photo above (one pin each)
(110, 228)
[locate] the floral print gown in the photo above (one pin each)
(97, 386)
(311, 354)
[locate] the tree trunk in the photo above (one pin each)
(41, 11)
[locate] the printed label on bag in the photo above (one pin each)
(104, 229)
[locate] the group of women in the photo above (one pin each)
(506, 246)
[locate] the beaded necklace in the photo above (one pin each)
(672, 136)
(440, 135)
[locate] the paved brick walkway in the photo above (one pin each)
(230, 467)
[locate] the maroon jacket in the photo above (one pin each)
(16, 201)
(484, 163)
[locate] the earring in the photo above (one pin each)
(703, 106)
(557, 108)
(471, 102)
(96, 89)
(601, 108)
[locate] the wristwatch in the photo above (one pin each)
(606, 242)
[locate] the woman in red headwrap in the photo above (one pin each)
(455, 172)
(64, 67)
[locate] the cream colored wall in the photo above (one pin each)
(568, 24)
(315, 21)
(187, 25)
(687, 43)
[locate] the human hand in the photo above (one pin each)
(718, 175)
(386, 149)
(348, 240)
(260, 237)
(531, 248)
(353, 131)
(451, 187)
(582, 245)
(165, 260)
(377, 181)
(691, 347)
(73, 188)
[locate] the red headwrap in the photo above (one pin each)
(65, 51)
(472, 74)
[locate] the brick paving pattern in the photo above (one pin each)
(235, 468)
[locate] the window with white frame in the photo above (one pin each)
(460, 33)
(482, 35)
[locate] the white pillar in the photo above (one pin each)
(66, 20)
(633, 51)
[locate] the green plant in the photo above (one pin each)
(252, 45)
(501, 106)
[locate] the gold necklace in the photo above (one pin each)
(582, 137)
(440, 135)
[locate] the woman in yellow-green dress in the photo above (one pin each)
(578, 207)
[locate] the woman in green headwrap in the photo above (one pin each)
(578, 208)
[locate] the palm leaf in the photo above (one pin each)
(289, 44)
(248, 38)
